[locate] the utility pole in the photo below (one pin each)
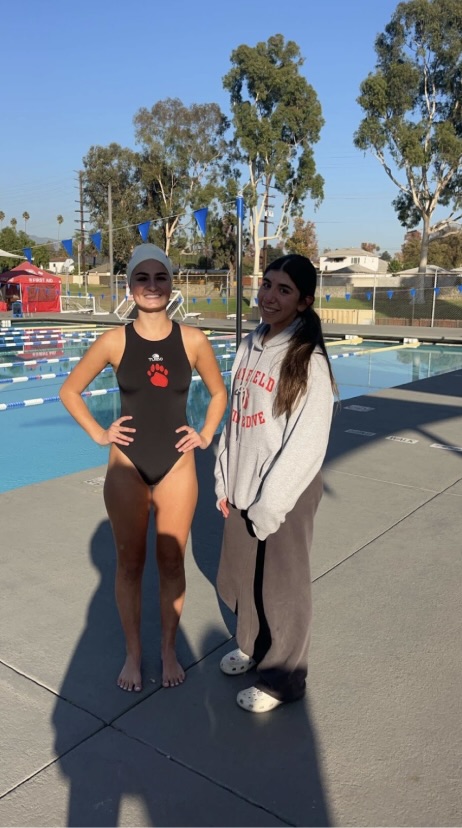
(266, 222)
(111, 251)
(82, 232)
(240, 217)
(80, 221)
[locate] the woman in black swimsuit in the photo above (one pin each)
(151, 460)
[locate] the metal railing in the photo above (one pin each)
(421, 301)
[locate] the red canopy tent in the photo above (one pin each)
(38, 290)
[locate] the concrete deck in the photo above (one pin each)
(376, 742)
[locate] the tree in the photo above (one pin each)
(60, 220)
(303, 239)
(446, 252)
(410, 252)
(395, 265)
(14, 242)
(370, 247)
(26, 218)
(118, 166)
(273, 252)
(277, 118)
(222, 233)
(41, 253)
(2, 218)
(14, 223)
(183, 154)
(412, 106)
(443, 252)
(385, 256)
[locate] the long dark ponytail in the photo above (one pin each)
(293, 377)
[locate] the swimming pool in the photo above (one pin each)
(43, 442)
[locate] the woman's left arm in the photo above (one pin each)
(206, 365)
(300, 458)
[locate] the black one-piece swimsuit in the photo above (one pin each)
(154, 378)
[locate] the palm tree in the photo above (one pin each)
(26, 218)
(13, 223)
(2, 218)
(60, 220)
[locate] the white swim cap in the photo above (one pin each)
(144, 252)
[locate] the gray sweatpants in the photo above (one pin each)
(268, 584)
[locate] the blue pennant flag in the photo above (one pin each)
(67, 244)
(327, 297)
(390, 294)
(201, 218)
(144, 230)
(348, 296)
(368, 296)
(28, 253)
(96, 239)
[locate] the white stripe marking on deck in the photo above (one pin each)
(446, 448)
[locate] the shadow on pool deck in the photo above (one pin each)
(376, 741)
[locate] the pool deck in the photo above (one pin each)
(377, 740)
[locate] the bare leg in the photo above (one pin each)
(174, 500)
(127, 499)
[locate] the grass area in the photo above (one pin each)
(397, 307)
(212, 305)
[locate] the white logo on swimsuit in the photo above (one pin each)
(156, 358)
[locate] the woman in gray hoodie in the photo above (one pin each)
(269, 484)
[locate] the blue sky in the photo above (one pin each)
(74, 74)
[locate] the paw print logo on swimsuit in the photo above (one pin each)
(158, 375)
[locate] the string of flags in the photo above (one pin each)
(390, 293)
(143, 229)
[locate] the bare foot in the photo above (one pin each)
(172, 672)
(130, 676)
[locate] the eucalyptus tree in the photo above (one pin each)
(412, 106)
(118, 166)
(183, 158)
(277, 118)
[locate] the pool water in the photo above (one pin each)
(43, 442)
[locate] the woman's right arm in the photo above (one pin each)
(106, 350)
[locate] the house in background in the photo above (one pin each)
(61, 266)
(351, 261)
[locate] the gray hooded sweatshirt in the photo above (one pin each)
(264, 463)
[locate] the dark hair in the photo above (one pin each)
(293, 377)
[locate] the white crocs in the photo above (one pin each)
(236, 662)
(256, 701)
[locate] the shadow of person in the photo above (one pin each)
(274, 755)
(89, 684)
(207, 527)
(271, 759)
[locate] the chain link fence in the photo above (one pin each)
(423, 301)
